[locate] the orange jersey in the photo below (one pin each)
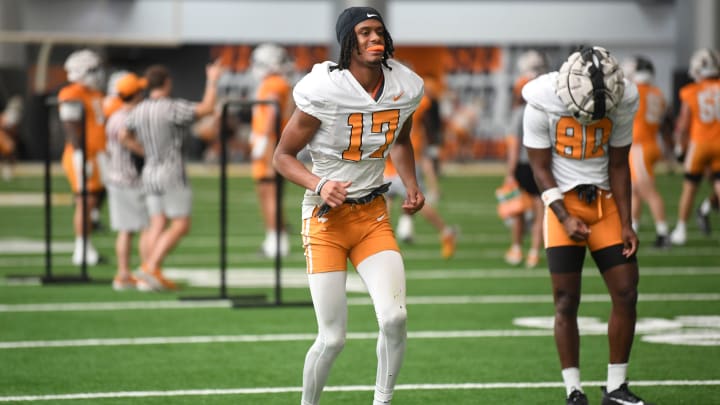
(92, 103)
(111, 104)
(277, 88)
(650, 114)
(703, 99)
(263, 136)
(390, 170)
(417, 137)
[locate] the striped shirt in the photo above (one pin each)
(160, 125)
(516, 129)
(121, 170)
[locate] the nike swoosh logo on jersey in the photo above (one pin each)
(380, 218)
(371, 15)
(396, 98)
(322, 220)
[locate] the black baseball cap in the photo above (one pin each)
(351, 16)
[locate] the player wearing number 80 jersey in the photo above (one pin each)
(578, 130)
(349, 114)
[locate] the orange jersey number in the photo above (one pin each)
(654, 108)
(709, 105)
(379, 119)
(575, 141)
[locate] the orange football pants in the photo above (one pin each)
(350, 231)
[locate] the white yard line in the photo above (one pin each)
(282, 337)
(295, 277)
(343, 388)
(412, 300)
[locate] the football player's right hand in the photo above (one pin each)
(334, 192)
(576, 229)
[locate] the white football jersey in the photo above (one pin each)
(580, 152)
(356, 132)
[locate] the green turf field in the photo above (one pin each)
(479, 330)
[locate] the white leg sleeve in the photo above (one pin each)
(330, 302)
(384, 277)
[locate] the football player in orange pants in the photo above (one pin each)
(405, 227)
(270, 64)
(578, 131)
(82, 116)
(651, 118)
(697, 133)
(349, 115)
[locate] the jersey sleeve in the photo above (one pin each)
(71, 103)
(536, 128)
(686, 92)
(307, 98)
(183, 112)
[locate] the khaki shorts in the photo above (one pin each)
(128, 211)
(172, 203)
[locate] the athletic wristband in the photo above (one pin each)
(551, 195)
(320, 185)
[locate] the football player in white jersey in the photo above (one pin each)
(349, 114)
(578, 130)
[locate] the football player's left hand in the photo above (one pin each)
(414, 202)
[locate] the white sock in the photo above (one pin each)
(95, 215)
(661, 228)
(705, 207)
(617, 374)
(79, 245)
(680, 225)
(635, 226)
(405, 228)
(571, 377)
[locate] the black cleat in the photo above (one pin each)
(662, 242)
(703, 221)
(622, 395)
(576, 398)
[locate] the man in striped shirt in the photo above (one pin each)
(160, 123)
(128, 211)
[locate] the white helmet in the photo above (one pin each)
(639, 69)
(590, 83)
(532, 63)
(704, 63)
(13, 111)
(112, 82)
(84, 67)
(269, 58)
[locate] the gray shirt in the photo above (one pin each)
(160, 125)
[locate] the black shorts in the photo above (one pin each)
(526, 179)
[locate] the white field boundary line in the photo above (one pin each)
(353, 301)
(341, 388)
(282, 337)
(265, 277)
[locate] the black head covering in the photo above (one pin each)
(351, 16)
